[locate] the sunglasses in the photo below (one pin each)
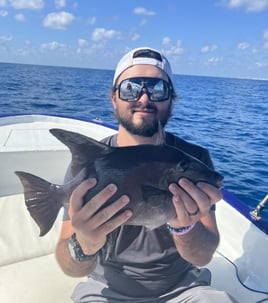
(131, 89)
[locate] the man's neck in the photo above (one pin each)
(124, 138)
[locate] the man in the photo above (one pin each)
(145, 265)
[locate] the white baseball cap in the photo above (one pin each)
(143, 55)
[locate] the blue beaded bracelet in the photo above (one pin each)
(179, 231)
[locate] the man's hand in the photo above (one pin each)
(192, 202)
(90, 225)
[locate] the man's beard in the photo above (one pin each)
(146, 128)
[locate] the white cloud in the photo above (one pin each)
(5, 43)
(6, 38)
(27, 4)
(91, 20)
(82, 42)
(58, 20)
(254, 50)
(3, 13)
(143, 22)
(172, 48)
(261, 64)
(265, 45)
(243, 45)
(20, 17)
(265, 34)
(143, 11)
(100, 34)
(82, 47)
(3, 3)
(135, 37)
(60, 3)
(249, 5)
(209, 48)
(214, 60)
(166, 41)
(52, 46)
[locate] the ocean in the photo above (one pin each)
(227, 116)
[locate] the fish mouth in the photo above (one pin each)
(219, 184)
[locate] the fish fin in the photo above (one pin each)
(42, 200)
(83, 148)
(153, 195)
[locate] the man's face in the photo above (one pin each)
(142, 117)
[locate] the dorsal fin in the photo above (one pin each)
(84, 149)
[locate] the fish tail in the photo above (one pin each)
(42, 199)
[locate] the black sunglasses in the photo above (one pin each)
(131, 89)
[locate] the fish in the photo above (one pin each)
(143, 172)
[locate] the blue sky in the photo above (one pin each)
(226, 38)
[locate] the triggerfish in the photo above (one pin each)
(142, 172)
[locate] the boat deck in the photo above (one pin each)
(28, 267)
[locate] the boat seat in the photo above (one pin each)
(28, 268)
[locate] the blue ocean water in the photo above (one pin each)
(227, 116)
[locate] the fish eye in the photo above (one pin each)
(182, 166)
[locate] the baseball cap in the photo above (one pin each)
(143, 55)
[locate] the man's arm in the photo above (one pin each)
(90, 226)
(67, 263)
(199, 245)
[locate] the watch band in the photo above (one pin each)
(76, 251)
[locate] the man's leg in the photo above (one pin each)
(203, 294)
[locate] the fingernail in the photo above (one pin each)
(92, 181)
(128, 213)
(125, 199)
(172, 186)
(184, 181)
(112, 187)
(201, 185)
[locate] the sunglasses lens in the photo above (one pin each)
(131, 89)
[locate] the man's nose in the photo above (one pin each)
(144, 95)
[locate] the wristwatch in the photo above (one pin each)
(76, 251)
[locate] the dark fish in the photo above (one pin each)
(143, 172)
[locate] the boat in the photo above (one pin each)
(28, 269)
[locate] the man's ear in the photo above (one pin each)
(113, 98)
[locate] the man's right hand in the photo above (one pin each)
(90, 225)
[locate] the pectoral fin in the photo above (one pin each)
(154, 196)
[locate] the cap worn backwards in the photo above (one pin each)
(143, 55)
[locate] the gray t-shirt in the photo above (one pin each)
(143, 262)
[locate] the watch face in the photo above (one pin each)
(71, 250)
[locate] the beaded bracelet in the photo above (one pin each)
(179, 231)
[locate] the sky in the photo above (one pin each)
(222, 38)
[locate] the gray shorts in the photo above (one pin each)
(93, 292)
(198, 294)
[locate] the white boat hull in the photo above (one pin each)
(28, 270)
